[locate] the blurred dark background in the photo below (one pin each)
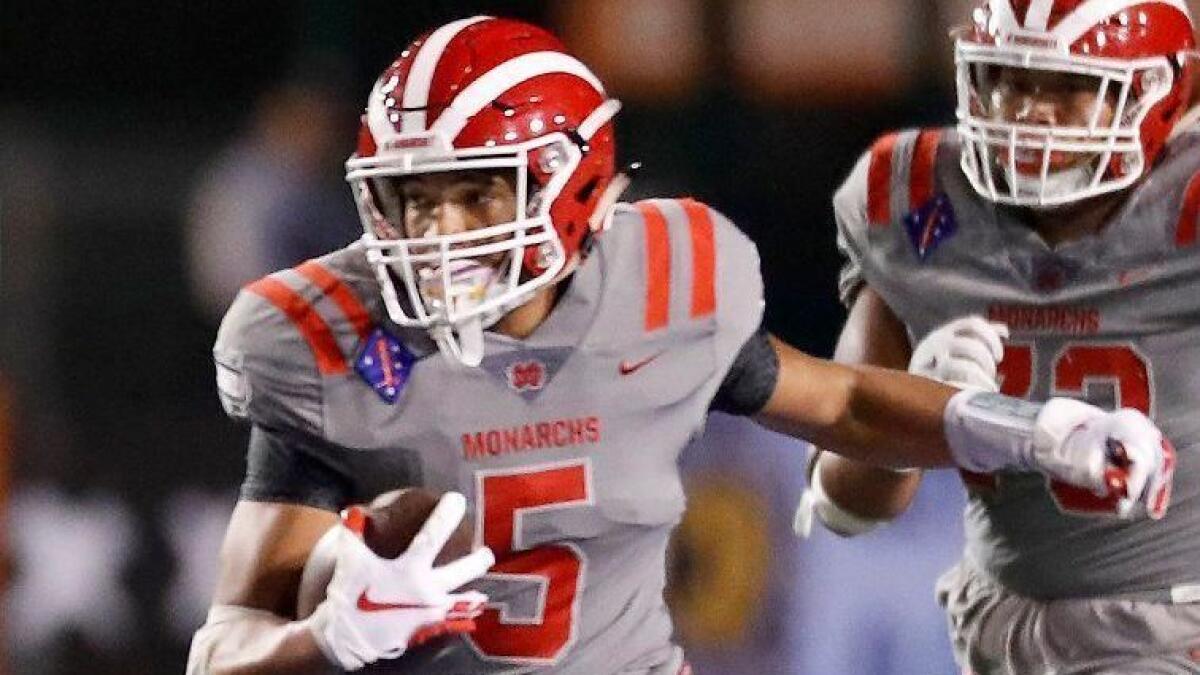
(156, 156)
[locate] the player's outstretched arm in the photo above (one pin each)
(895, 419)
(871, 414)
(374, 609)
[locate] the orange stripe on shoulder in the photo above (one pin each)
(1185, 229)
(921, 176)
(879, 180)
(312, 327)
(704, 258)
(658, 266)
(340, 293)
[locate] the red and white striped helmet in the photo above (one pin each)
(484, 94)
(1136, 53)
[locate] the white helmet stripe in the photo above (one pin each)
(1038, 16)
(1087, 15)
(377, 114)
(1002, 15)
(597, 118)
(500, 79)
(420, 77)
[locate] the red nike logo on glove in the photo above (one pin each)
(366, 604)
(626, 367)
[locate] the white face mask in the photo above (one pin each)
(456, 297)
(459, 288)
(992, 144)
(1073, 180)
(456, 285)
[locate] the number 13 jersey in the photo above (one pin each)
(1112, 318)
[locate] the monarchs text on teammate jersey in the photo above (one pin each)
(1111, 319)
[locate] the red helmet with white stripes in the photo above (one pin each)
(484, 94)
(1126, 65)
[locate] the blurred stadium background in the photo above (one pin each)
(156, 156)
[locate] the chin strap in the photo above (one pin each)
(462, 345)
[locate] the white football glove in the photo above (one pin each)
(1121, 456)
(376, 608)
(962, 353)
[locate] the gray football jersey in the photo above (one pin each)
(1113, 319)
(565, 443)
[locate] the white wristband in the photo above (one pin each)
(837, 519)
(815, 502)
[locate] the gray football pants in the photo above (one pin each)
(995, 631)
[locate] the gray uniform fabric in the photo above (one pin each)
(996, 631)
(1113, 319)
(565, 443)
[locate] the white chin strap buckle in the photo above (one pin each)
(461, 344)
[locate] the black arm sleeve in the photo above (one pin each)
(751, 379)
(296, 468)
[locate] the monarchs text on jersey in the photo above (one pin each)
(564, 443)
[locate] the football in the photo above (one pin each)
(392, 520)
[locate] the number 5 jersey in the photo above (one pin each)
(1113, 319)
(564, 443)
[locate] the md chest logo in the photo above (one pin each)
(526, 375)
(527, 372)
(1046, 272)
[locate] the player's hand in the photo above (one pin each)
(376, 608)
(962, 353)
(1121, 456)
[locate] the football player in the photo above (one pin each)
(1055, 229)
(582, 343)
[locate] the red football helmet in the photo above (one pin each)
(483, 94)
(1134, 55)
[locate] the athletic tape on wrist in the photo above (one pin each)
(988, 432)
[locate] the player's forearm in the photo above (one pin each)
(893, 419)
(254, 642)
(874, 415)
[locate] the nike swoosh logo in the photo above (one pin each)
(366, 604)
(626, 367)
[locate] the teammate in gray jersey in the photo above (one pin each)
(584, 342)
(1060, 218)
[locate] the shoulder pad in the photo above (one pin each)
(284, 335)
(677, 267)
(898, 175)
(1177, 181)
(901, 173)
